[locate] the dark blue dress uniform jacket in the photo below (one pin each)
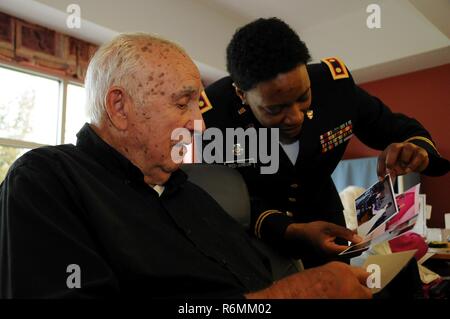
(305, 191)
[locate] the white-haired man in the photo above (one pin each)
(114, 215)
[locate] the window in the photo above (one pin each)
(36, 110)
(28, 107)
(75, 112)
(7, 156)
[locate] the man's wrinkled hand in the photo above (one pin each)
(402, 158)
(322, 235)
(332, 280)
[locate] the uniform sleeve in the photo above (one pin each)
(376, 126)
(42, 233)
(267, 222)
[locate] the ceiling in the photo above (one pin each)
(414, 34)
(302, 14)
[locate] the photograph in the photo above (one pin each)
(408, 204)
(357, 249)
(375, 206)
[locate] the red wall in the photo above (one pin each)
(424, 95)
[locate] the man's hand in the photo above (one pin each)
(321, 235)
(402, 158)
(332, 280)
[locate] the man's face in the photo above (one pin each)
(169, 84)
(282, 102)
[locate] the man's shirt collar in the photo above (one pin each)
(90, 143)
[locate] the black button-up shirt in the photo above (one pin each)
(88, 205)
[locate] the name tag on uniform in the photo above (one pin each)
(247, 162)
(336, 136)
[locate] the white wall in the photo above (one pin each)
(404, 32)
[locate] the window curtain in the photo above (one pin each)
(37, 47)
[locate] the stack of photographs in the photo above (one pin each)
(382, 216)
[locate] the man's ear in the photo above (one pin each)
(240, 93)
(117, 107)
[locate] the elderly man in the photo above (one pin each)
(114, 215)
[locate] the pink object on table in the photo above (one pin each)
(409, 241)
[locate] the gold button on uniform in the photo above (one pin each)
(292, 199)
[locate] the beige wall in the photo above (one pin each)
(201, 29)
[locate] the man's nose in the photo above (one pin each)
(196, 123)
(294, 116)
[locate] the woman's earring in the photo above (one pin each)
(240, 94)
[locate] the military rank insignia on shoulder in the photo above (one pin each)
(204, 103)
(337, 68)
